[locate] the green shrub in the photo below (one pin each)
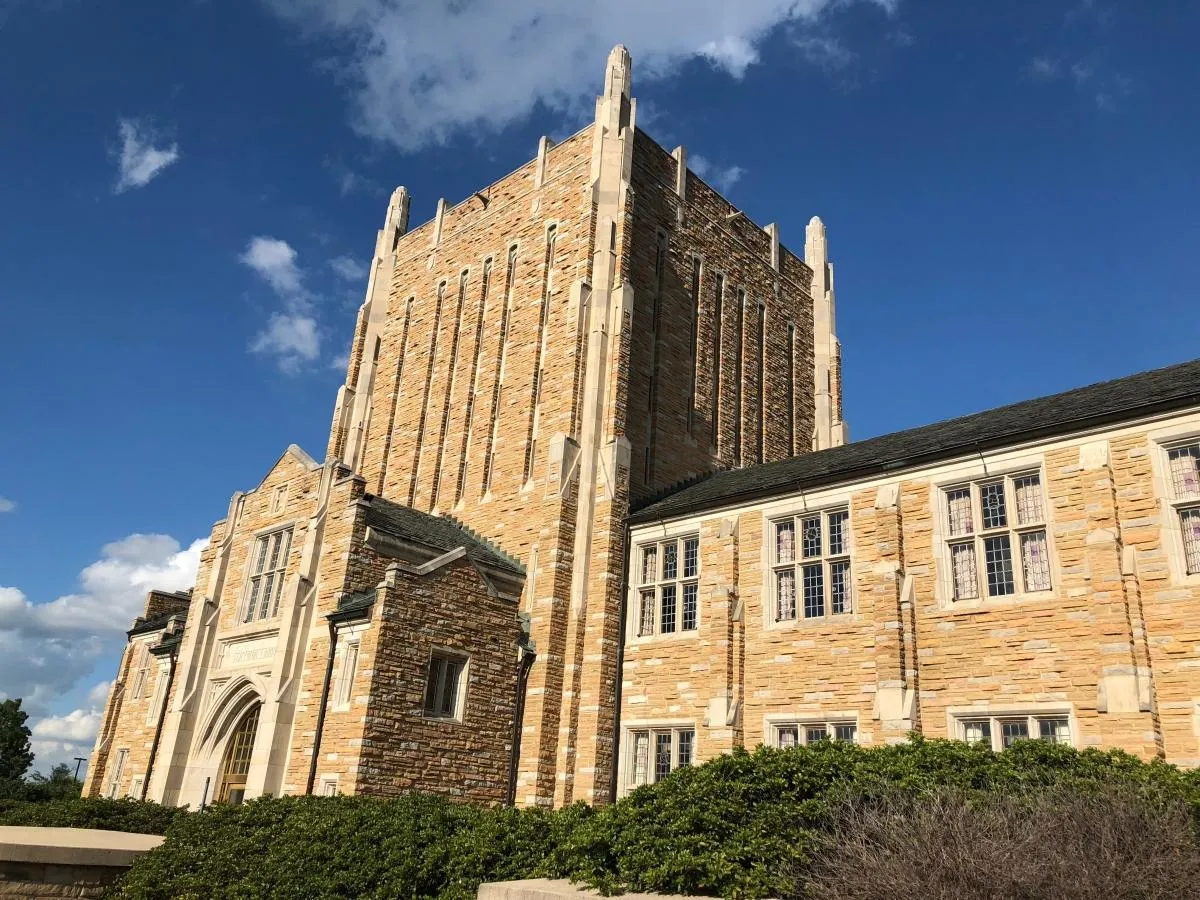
(92, 812)
(743, 825)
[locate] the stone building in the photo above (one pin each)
(442, 595)
(515, 576)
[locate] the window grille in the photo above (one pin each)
(794, 734)
(1001, 521)
(268, 566)
(1184, 463)
(668, 583)
(656, 752)
(1000, 732)
(812, 553)
(443, 685)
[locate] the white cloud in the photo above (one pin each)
(292, 338)
(275, 261)
(292, 335)
(422, 72)
(1091, 79)
(63, 739)
(7, 505)
(825, 51)
(140, 161)
(723, 178)
(1042, 68)
(46, 648)
(349, 268)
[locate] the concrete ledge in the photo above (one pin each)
(547, 889)
(73, 846)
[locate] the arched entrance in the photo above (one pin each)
(231, 788)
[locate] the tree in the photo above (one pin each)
(15, 755)
(60, 784)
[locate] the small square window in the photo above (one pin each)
(443, 686)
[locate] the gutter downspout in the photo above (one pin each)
(162, 715)
(616, 760)
(312, 767)
(527, 659)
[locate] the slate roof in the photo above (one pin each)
(142, 626)
(437, 532)
(351, 606)
(1160, 390)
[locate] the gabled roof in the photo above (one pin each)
(1109, 402)
(436, 532)
(293, 450)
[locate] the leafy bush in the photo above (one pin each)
(414, 846)
(743, 825)
(1059, 843)
(111, 815)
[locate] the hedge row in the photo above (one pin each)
(110, 815)
(743, 825)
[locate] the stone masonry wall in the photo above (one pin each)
(673, 366)
(449, 609)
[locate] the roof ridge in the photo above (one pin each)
(491, 545)
(665, 492)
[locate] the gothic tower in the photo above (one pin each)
(591, 329)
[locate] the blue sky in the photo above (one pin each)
(190, 193)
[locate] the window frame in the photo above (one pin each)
(1181, 505)
(459, 703)
(250, 595)
(678, 586)
(777, 612)
(997, 719)
(158, 695)
(630, 780)
(120, 759)
(343, 688)
(143, 670)
(980, 534)
(804, 724)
